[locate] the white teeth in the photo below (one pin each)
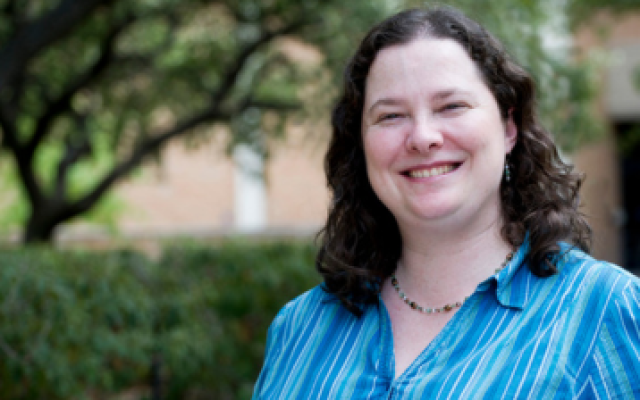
(425, 173)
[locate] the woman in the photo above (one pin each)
(454, 256)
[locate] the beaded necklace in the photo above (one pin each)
(446, 307)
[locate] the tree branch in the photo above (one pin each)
(37, 35)
(138, 155)
(73, 153)
(9, 133)
(24, 162)
(211, 113)
(234, 70)
(63, 102)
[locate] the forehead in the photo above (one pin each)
(424, 64)
(423, 48)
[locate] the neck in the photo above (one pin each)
(439, 268)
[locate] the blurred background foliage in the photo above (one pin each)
(91, 90)
(114, 325)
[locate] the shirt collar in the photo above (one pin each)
(505, 293)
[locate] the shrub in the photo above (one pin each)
(79, 325)
(71, 321)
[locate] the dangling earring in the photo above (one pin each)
(507, 172)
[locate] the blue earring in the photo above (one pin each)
(507, 172)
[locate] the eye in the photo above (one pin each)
(389, 116)
(453, 106)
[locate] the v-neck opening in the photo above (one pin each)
(440, 340)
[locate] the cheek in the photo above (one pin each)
(376, 150)
(380, 153)
(482, 142)
(382, 146)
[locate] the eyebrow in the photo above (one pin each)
(444, 94)
(384, 102)
(448, 93)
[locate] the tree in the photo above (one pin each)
(91, 89)
(102, 85)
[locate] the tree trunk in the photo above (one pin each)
(155, 380)
(39, 230)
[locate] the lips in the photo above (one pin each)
(430, 171)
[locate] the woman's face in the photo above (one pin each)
(434, 139)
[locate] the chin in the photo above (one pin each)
(433, 213)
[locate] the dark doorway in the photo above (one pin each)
(628, 134)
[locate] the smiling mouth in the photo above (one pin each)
(429, 172)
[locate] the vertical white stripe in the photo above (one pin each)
(535, 348)
(304, 352)
(627, 334)
(541, 367)
(598, 362)
(511, 377)
(479, 362)
(597, 330)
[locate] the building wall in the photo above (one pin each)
(192, 192)
(618, 38)
(600, 196)
(297, 191)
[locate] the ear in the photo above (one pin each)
(510, 132)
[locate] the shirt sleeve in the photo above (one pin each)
(614, 364)
(274, 345)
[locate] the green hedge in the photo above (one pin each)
(77, 325)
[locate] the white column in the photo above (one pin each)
(250, 192)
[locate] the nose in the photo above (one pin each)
(424, 137)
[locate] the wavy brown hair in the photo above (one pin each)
(361, 242)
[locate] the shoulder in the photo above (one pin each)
(594, 278)
(295, 337)
(583, 282)
(308, 336)
(311, 301)
(610, 296)
(314, 304)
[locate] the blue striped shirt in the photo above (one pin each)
(575, 334)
